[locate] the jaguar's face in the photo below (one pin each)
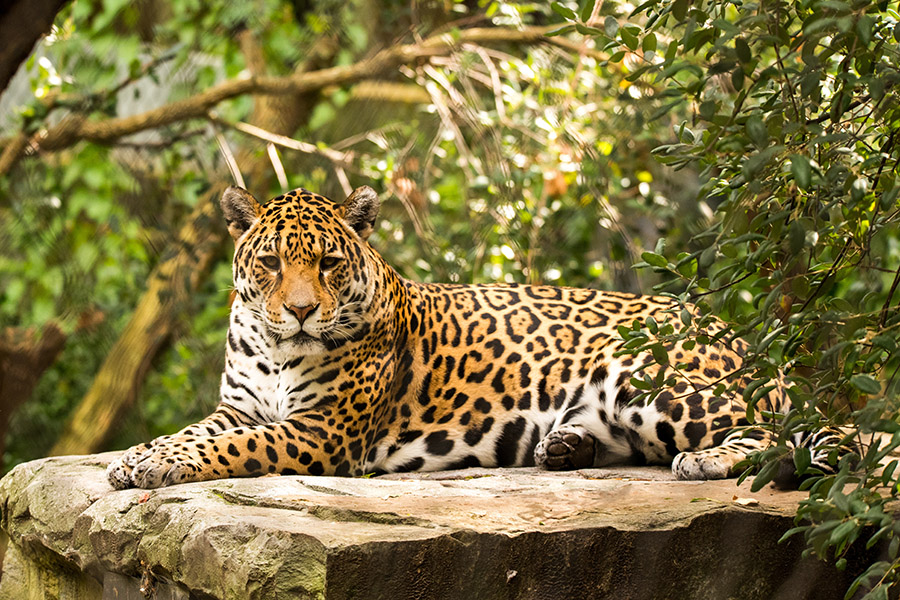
(300, 264)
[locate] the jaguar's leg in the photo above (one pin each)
(718, 462)
(291, 447)
(568, 447)
(223, 418)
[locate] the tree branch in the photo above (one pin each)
(389, 91)
(75, 128)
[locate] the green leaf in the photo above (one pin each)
(750, 389)
(766, 474)
(565, 29)
(842, 531)
(688, 268)
(649, 42)
(802, 459)
(708, 109)
(839, 103)
(563, 11)
(792, 532)
(876, 88)
(591, 31)
(757, 162)
(864, 29)
(640, 384)
(796, 236)
(809, 83)
(659, 354)
(628, 38)
(757, 131)
(885, 342)
(737, 78)
(654, 259)
(611, 26)
(858, 189)
(587, 10)
(865, 384)
(743, 50)
(760, 392)
(801, 170)
(888, 472)
(671, 51)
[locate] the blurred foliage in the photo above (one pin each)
(792, 126)
(497, 163)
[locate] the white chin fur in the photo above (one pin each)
(303, 343)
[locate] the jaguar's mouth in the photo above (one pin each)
(300, 338)
(301, 342)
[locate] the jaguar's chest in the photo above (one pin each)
(275, 380)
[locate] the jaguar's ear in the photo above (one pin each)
(360, 209)
(241, 210)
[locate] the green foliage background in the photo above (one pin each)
(742, 153)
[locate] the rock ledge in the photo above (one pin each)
(479, 533)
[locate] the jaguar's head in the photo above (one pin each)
(301, 262)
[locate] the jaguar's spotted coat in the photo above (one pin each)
(335, 365)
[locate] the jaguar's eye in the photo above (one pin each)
(271, 262)
(329, 262)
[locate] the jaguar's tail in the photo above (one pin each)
(828, 449)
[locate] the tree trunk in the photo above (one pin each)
(117, 385)
(22, 23)
(24, 356)
(119, 379)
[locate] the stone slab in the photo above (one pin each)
(479, 533)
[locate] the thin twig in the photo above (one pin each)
(448, 121)
(277, 166)
(229, 157)
(163, 143)
(342, 179)
(495, 82)
(825, 279)
(722, 287)
(341, 158)
(787, 80)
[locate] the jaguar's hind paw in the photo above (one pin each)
(569, 447)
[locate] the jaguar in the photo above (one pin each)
(337, 365)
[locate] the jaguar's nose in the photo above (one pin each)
(301, 312)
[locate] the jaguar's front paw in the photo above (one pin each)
(119, 470)
(167, 464)
(119, 474)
